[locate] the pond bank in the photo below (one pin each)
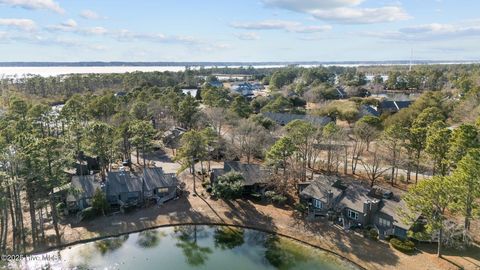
(196, 210)
(83, 241)
(189, 247)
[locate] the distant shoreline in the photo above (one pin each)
(227, 64)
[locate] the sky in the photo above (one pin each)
(238, 30)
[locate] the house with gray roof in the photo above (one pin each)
(158, 185)
(124, 188)
(376, 207)
(81, 191)
(171, 137)
(369, 110)
(255, 176)
(322, 194)
(392, 106)
(341, 92)
(285, 118)
(217, 84)
(258, 86)
(243, 88)
(356, 206)
(385, 106)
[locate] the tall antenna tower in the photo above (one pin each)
(411, 61)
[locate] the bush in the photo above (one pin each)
(229, 186)
(269, 194)
(61, 206)
(89, 213)
(300, 207)
(275, 198)
(99, 202)
(279, 199)
(371, 234)
(406, 246)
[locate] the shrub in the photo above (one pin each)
(61, 206)
(406, 246)
(229, 186)
(275, 198)
(279, 199)
(269, 194)
(99, 202)
(371, 233)
(89, 213)
(300, 207)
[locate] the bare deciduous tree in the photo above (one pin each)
(374, 168)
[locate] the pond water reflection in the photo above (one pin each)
(189, 247)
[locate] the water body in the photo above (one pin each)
(16, 71)
(189, 247)
(19, 72)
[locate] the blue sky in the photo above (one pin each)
(246, 30)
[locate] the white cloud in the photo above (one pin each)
(70, 23)
(305, 5)
(289, 26)
(342, 11)
(429, 28)
(433, 31)
(90, 15)
(98, 30)
(23, 24)
(46, 40)
(35, 5)
(67, 26)
(248, 36)
(127, 35)
(362, 15)
(123, 35)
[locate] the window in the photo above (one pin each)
(352, 214)
(317, 204)
(384, 222)
(162, 190)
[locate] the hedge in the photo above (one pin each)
(406, 246)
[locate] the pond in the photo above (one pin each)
(189, 247)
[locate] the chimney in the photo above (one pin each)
(367, 207)
(374, 205)
(330, 198)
